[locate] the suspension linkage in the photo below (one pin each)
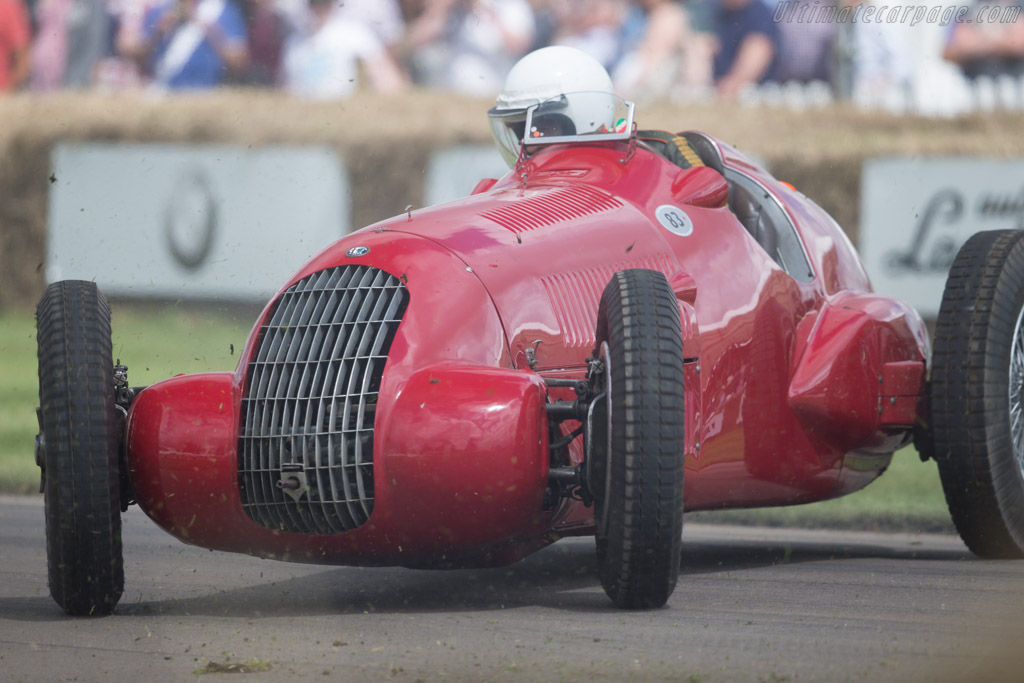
(560, 411)
(568, 481)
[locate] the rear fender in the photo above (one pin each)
(859, 381)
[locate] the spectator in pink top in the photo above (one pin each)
(50, 47)
(989, 45)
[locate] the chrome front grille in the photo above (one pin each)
(305, 451)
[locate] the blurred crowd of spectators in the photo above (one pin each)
(680, 49)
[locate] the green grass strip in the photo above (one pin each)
(155, 342)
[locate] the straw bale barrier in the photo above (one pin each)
(387, 141)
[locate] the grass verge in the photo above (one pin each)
(155, 342)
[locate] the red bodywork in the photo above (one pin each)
(796, 391)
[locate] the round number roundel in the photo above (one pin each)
(674, 220)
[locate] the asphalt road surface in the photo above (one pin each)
(751, 605)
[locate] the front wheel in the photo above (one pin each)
(977, 393)
(80, 444)
(637, 440)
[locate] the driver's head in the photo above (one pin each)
(572, 88)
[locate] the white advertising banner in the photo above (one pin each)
(917, 213)
(192, 222)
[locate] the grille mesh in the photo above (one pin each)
(305, 456)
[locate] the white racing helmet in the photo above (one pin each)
(572, 94)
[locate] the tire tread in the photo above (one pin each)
(640, 557)
(82, 492)
(969, 394)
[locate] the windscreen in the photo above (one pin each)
(579, 117)
(571, 117)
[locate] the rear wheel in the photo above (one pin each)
(79, 447)
(637, 438)
(977, 393)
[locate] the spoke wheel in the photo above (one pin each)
(79, 448)
(1016, 380)
(976, 393)
(638, 475)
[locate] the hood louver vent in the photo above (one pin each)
(552, 207)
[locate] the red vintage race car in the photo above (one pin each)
(587, 346)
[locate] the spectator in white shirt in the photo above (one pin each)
(323, 61)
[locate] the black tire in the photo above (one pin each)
(981, 468)
(81, 440)
(639, 507)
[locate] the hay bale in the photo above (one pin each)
(386, 142)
